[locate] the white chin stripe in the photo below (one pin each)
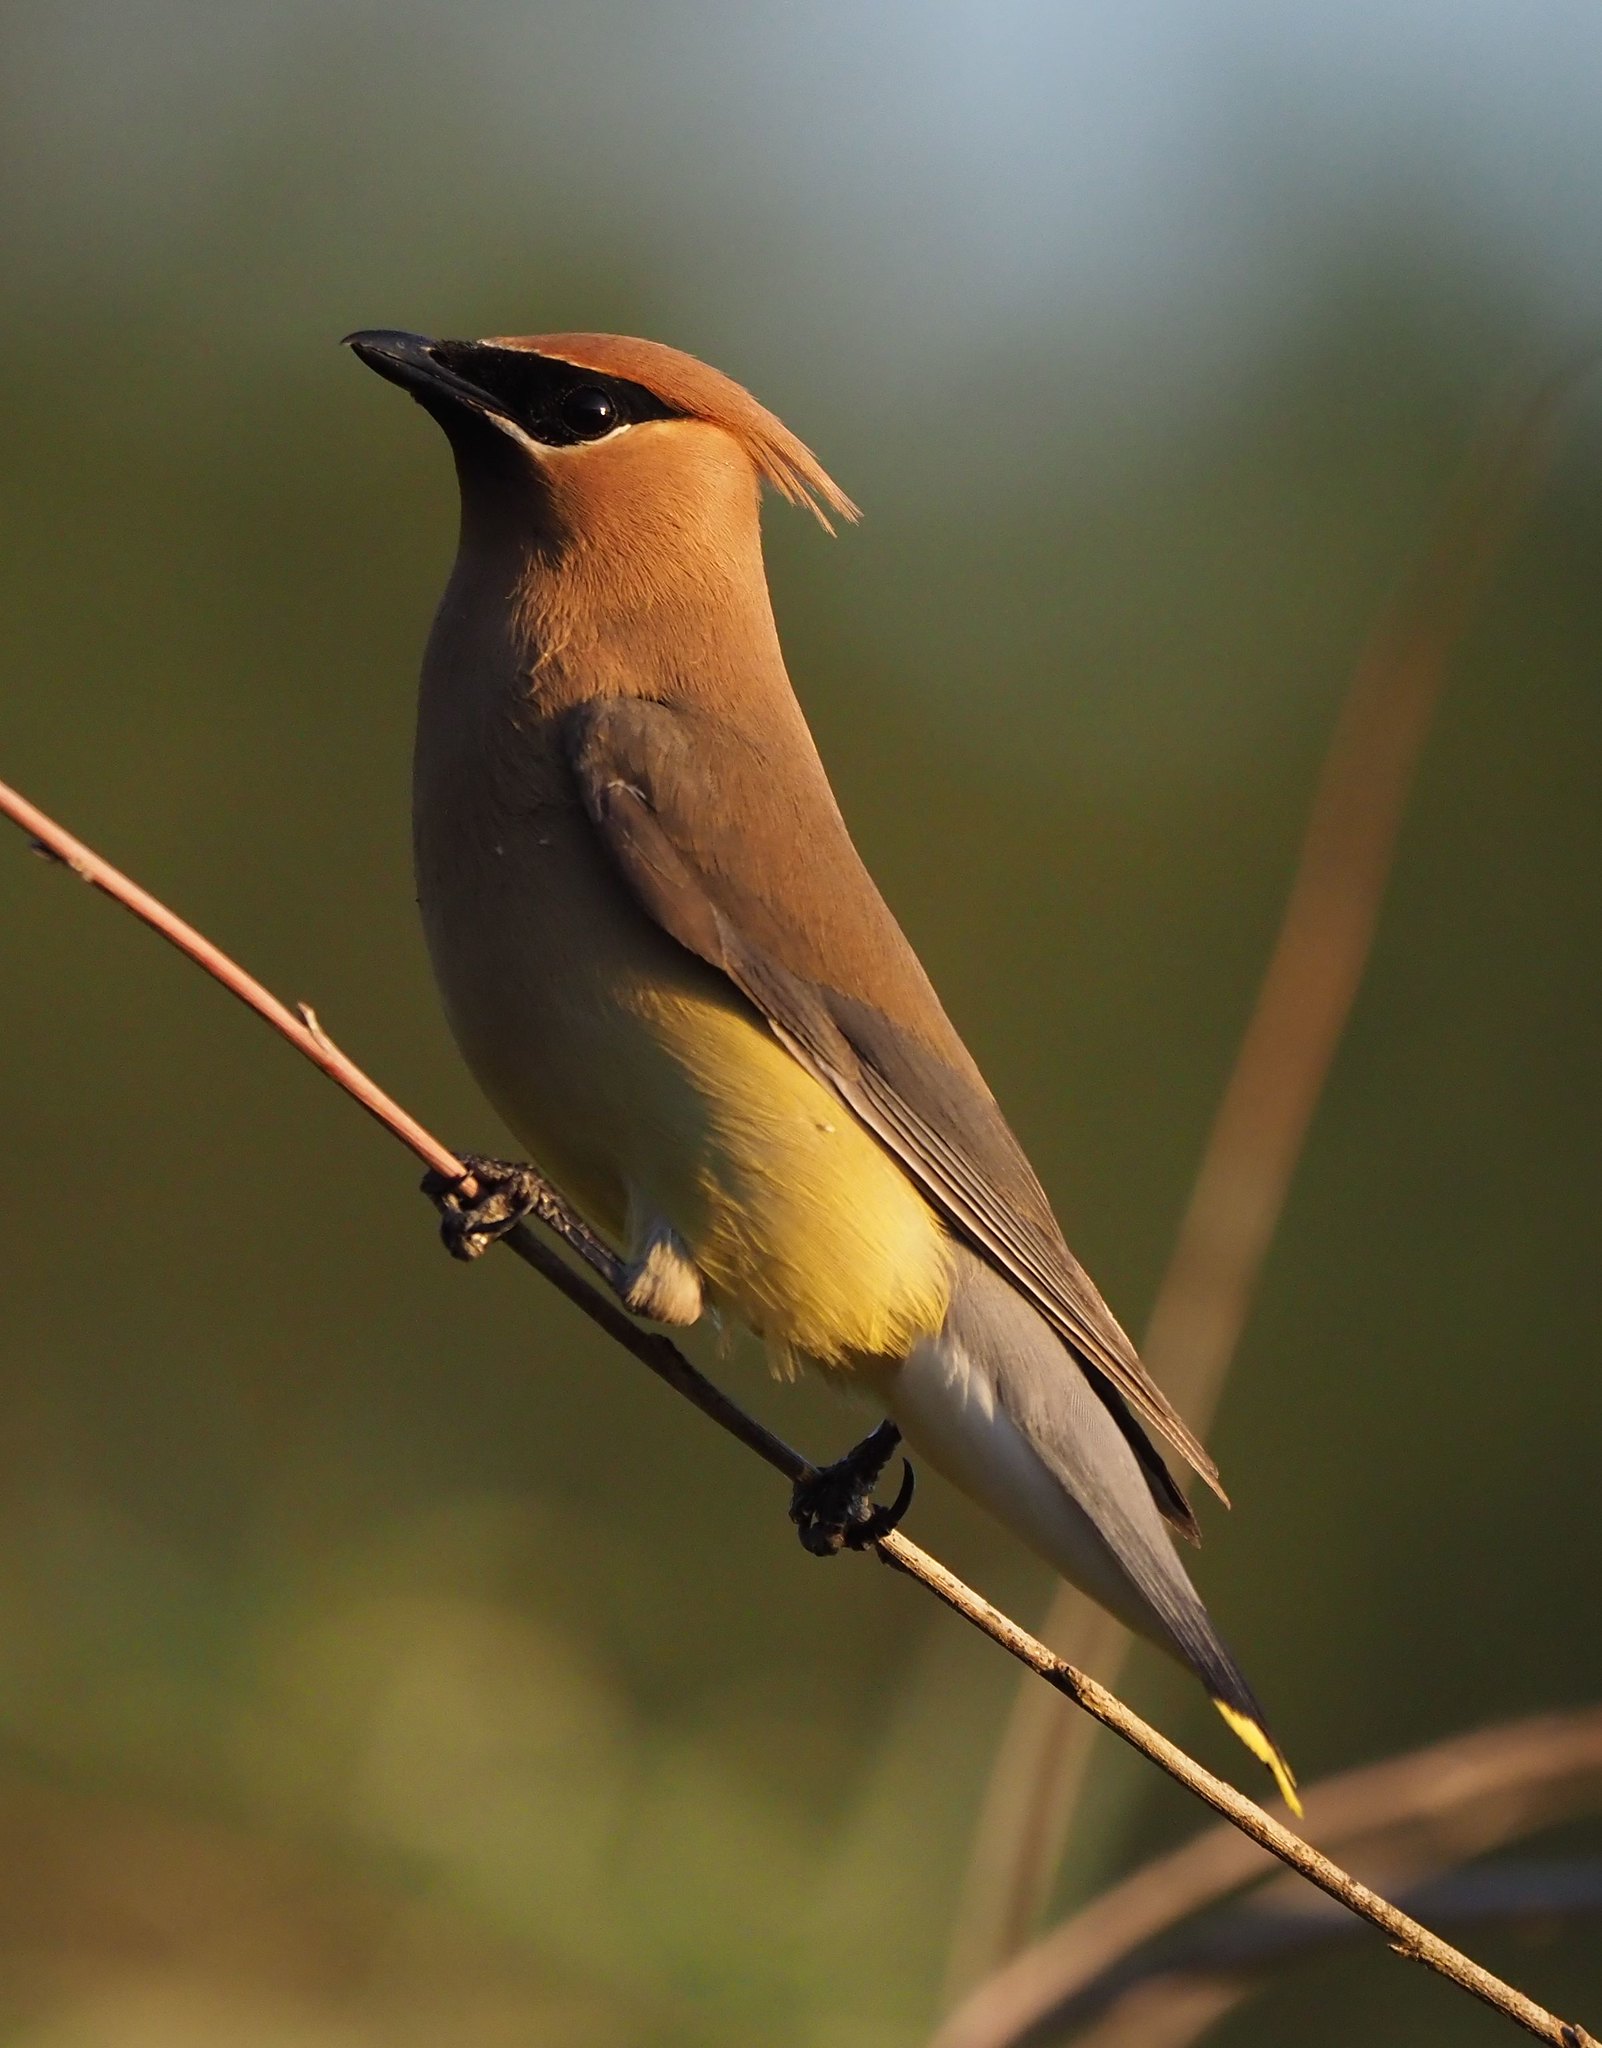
(513, 432)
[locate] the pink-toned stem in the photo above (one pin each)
(301, 1028)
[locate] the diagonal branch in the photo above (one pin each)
(301, 1028)
(1174, 1998)
(1413, 1814)
(1306, 995)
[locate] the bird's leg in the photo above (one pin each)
(504, 1192)
(834, 1509)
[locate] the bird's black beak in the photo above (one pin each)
(417, 365)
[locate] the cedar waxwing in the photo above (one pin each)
(674, 978)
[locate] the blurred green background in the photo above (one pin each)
(383, 1659)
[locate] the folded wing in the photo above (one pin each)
(691, 812)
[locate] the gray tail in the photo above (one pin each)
(1000, 1405)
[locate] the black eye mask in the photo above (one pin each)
(555, 403)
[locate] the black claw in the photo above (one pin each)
(504, 1193)
(834, 1509)
(881, 1519)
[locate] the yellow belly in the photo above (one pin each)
(671, 1099)
(799, 1219)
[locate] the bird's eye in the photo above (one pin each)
(588, 412)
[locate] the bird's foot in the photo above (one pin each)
(834, 1509)
(504, 1192)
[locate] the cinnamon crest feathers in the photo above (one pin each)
(695, 390)
(675, 979)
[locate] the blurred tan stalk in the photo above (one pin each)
(1177, 2003)
(1408, 1819)
(1306, 996)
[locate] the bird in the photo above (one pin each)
(674, 978)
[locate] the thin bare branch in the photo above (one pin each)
(1257, 1137)
(1405, 1934)
(1411, 1815)
(301, 1027)
(1175, 1997)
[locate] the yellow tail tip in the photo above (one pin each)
(1256, 1740)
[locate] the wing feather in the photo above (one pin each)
(671, 793)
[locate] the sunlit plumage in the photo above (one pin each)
(671, 973)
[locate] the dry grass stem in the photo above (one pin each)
(1175, 1998)
(1412, 1816)
(1306, 995)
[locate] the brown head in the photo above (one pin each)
(609, 487)
(611, 538)
(582, 426)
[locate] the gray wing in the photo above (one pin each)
(707, 835)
